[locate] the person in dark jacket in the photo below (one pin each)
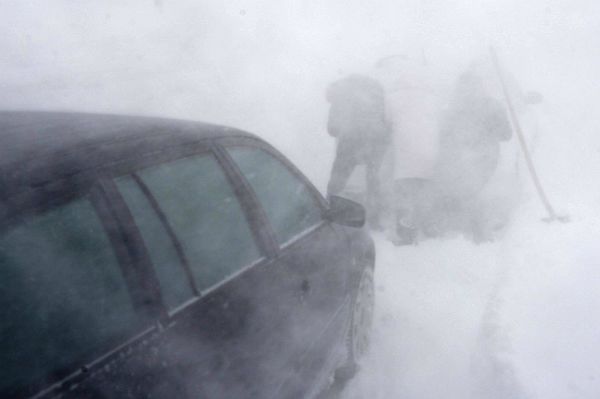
(357, 120)
(470, 135)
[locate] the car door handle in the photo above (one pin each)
(304, 290)
(305, 287)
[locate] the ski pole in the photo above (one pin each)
(552, 216)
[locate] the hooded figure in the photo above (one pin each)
(470, 134)
(357, 121)
(413, 98)
(412, 101)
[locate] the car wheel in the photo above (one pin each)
(362, 316)
(359, 330)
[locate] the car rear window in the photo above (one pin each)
(174, 283)
(63, 298)
(203, 211)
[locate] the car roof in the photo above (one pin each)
(39, 147)
(25, 135)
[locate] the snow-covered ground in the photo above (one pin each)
(434, 310)
(517, 318)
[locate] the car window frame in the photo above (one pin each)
(134, 258)
(164, 222)
(255, 143)
(131, 166)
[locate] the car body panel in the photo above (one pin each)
(262, 332)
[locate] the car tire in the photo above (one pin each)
(359, 329)
(359, 333)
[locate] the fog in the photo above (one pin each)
(514, 318)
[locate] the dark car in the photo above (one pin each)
(153, 258)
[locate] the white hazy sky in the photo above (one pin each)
(219, 52)
(263, 65)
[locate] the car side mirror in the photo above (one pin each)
(345, 212)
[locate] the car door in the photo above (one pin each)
(312, 253)
(71, 307)
(223, 299)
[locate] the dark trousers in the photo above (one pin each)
(349, 155)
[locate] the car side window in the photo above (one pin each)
(287, 201)
(174, 283)
(63, 300)
(203, 211)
